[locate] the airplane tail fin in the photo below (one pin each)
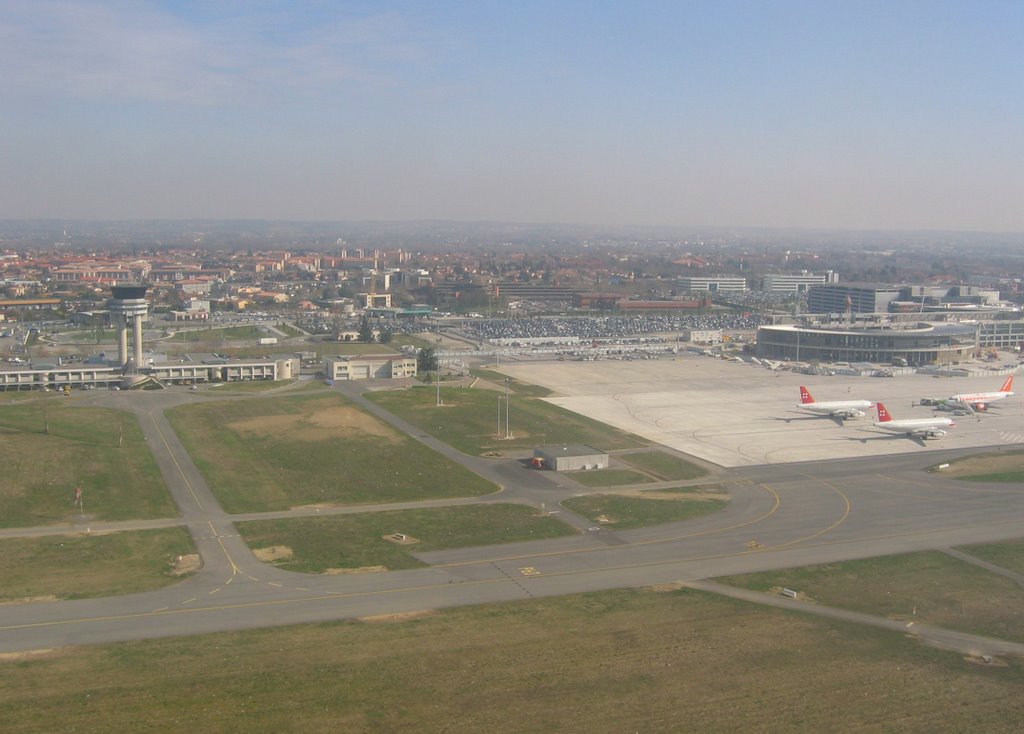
(1007, 385)
(883, 413)
(805, 396)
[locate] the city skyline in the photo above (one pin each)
(783, 114)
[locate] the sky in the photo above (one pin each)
(823, 114)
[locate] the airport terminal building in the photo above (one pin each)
(919, 344)
(199, 369)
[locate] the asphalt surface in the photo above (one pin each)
(780, 515)
(736, 414)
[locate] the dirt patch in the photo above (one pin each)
(800, 596)
(273, 553)
(360, 569)
(603, 519)
(400, 617)
(663, 588)
(30, 599)
(400, 539)
(25, 654)
(656, 495)
(338, 421)
(986, 660)
(186, 564)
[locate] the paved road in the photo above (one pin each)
(779, 516)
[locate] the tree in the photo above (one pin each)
(385, 336)
(426, 360)
(365, 331)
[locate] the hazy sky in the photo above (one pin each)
(816, 114)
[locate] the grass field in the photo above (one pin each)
(620, 661)
(608, 477)
(1002, 467)
(469, 420)
(620, 512)
(930, 588)
(355, 541)
(664, 466)
(518, 387)
(89, 336)
(311, 448)
(1007, 555)
(288, 329)
(49, 447)
(80, 566)
(218, 334)
(335, 347)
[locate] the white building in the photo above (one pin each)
(797, 282)
(571, 458)
(369, 366)
(702, 336)
(713, 284)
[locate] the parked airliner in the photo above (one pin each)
(980, 400)
(842, 409)
(914, 427)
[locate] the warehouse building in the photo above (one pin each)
(569, 458)
(369, 367)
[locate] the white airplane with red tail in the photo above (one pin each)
(914, 427)
(842, 409)
(980, 400)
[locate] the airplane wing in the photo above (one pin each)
(925, 433)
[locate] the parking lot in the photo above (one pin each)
(736, 414)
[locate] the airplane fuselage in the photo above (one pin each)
(978, 398)
(842, 408)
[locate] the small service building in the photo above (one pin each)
(569, 458)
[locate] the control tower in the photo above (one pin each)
(129, 301)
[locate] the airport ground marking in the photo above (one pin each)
(234, 567)
(946, 483)
(480, 582)
(777, 502)
(170, 452)
(842, 518)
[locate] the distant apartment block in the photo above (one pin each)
(796, 283)
(101, 272)
(713, 284)
(852, 297)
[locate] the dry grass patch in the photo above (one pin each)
(273, 553)
(333, 422)
(359, 570)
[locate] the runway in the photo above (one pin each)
(779, 516)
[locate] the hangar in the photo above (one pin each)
(570, 458)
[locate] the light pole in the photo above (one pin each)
(437, 370)
(497, 422)
(507, 433)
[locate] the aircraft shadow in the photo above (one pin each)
(883, 437)
(801, 417)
